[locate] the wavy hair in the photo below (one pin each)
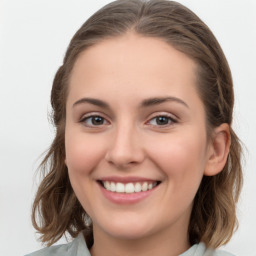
(56, 209)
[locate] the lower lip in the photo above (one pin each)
(126, 198)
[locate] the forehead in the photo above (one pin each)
(132, 63)
(133, 50)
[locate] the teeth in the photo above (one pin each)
(144, 186)
(112, 187)
(128, 187)
(107, 185)
(120, 187)
(137, 187)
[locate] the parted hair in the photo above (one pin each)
(56, 210)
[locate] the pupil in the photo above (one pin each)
(162, 120)
(97, 120)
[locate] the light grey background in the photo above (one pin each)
(34, 35)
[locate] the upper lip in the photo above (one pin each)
(126, 179)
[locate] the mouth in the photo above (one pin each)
(128, 187)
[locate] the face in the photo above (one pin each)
(136, 145)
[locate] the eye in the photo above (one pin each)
(162, 120)
(94, 120)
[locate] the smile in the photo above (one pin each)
(127, 190)
(131, 187)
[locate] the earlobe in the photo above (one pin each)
(218, 151)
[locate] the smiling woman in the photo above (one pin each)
(129, 146)
(144, 161)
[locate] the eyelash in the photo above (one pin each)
(171, 121)
(90, 117)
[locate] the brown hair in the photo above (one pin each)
(56, 209)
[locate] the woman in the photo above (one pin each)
(144, 161)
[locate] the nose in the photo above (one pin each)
(125, 148)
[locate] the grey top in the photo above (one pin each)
(78, 247)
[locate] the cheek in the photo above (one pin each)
(83, 153)
(181, 158)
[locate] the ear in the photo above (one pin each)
(218, 150)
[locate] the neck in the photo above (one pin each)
(166, 243)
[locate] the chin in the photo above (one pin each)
(128, 229)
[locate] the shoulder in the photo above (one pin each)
(51, 251)
(201, 250)
(75, 248)
(210, 252)
(222, 253)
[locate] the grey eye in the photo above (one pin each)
(161, 120)
(97, 120)
(94, 121)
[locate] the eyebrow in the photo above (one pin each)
(159, 100)
(96, 102)
(145, 103)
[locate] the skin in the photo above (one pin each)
(123, 72)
